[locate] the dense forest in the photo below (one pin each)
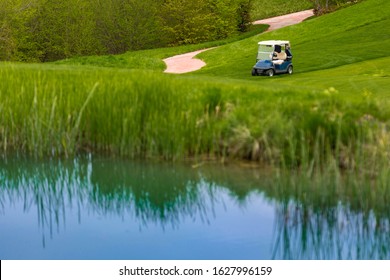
(49, 30)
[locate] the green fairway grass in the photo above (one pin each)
(152, 59)
(333, 111)
(347, 36)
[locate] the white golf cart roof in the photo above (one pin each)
(274, 42)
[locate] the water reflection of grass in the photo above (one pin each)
(332, 216)
(151, 194)
(302, 232)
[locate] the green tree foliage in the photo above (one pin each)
(195, 21)
(16, 30)
(225, 17)
(127, 24)
(244, 15)
(6, 39)
(48, 30)
(65, 29)
(186, 21)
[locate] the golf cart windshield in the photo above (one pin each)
(265, 52)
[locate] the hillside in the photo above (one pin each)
(347, 36)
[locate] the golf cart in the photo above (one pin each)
(273, 57)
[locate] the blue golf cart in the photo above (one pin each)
(273, 57)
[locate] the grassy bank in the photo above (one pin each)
(63, 111)
(334, 111)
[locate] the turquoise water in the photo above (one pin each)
(111, 209)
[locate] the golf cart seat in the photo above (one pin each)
(278, 61)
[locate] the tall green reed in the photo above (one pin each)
(64, 111)
(67, 111)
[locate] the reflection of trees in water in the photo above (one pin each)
(314, 220)
(152, 193)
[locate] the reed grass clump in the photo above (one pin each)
(67, 111)
(60, 111)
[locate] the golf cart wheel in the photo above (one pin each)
(270, 73)
(254, 72)
(290, 70)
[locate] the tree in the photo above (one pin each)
(6, 40)
(65, 29)
(16, 23)
(244, 15)
(48, 30)
(195, 21)
(124, 25)
(224, 18)
(186, 21)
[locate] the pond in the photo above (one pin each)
(117, 209)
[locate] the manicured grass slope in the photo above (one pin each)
(152, 59)
(350, 35)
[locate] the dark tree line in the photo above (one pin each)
(48, 30)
